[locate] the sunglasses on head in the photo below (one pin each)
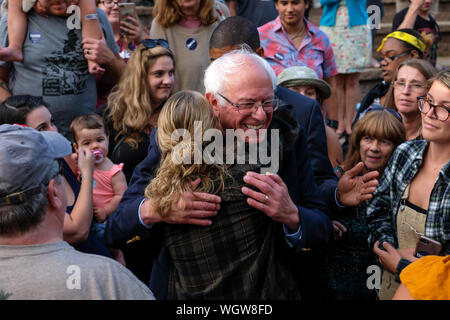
(151, 43)
(380, 108)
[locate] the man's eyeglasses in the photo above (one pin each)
(425, 105)
(248, 108)
(151, 43)
(380, 108)
(393, 58)
(111, 3)
(416, 87)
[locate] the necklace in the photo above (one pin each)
(299, 34)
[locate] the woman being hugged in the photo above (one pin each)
(413, 197)
(187, 25)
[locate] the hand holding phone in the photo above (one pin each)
(427, 246)
(127, 9)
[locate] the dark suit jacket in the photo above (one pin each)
(307, 113)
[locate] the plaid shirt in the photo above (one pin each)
(315, 51)
(234, 258)
(382, 209)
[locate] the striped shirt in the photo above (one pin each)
(382, 209)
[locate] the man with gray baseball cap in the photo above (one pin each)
(28, 158)
(35, 262)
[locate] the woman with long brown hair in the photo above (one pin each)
(134, 104)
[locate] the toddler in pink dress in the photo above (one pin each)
(109, 185)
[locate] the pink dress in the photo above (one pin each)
(103, 189)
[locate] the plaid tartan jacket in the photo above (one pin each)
(382, 209)
(234, 258)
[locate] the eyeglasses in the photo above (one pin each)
(392, 59)
(151, 43)
(111, 3)
(381, 108)
(248, 108)
(416, 87)
(425, 105)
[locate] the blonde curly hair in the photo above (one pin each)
(181, 111)
(129, 107)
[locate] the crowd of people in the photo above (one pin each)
(219, 152)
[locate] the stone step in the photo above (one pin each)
(386, 24)
(444, 43)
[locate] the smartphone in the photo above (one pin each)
(127, 9)
(426, 246)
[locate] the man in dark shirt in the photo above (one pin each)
(417, 16)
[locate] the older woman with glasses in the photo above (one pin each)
(413, 197)
(408, 83)
(187, 26)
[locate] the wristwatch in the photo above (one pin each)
(332, 123)
(400, 266)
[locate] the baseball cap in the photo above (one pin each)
(303, 76)
(28, 158)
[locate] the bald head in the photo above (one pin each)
(233, 32)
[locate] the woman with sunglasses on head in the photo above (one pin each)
(187, 26)
(33, 112)
(396, 47)
(372, 142)
(131, 113)
(408, 83)
(134, 104)
(413, 197)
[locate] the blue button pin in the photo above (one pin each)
(191, 44)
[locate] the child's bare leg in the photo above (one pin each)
(90, 28)
(17, 28)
